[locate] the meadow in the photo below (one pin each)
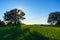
(29, 32)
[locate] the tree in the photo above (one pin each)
(54, 18)
(14, 16)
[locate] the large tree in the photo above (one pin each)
(14, 16)
(54, 18)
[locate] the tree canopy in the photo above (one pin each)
(14, 16)
(54, 18)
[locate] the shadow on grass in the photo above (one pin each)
(34, 35)
(16, 33)
(11, 33)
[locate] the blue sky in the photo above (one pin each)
(36, 11)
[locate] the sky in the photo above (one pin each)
(37, 11)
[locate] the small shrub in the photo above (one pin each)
(2, 23)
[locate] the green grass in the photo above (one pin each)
(29, 32)
(47, 31)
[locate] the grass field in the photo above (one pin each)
(29, 32)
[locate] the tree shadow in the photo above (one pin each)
(34, 35)
(16, 33)
(11, 33)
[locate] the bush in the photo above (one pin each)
(2, 23)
